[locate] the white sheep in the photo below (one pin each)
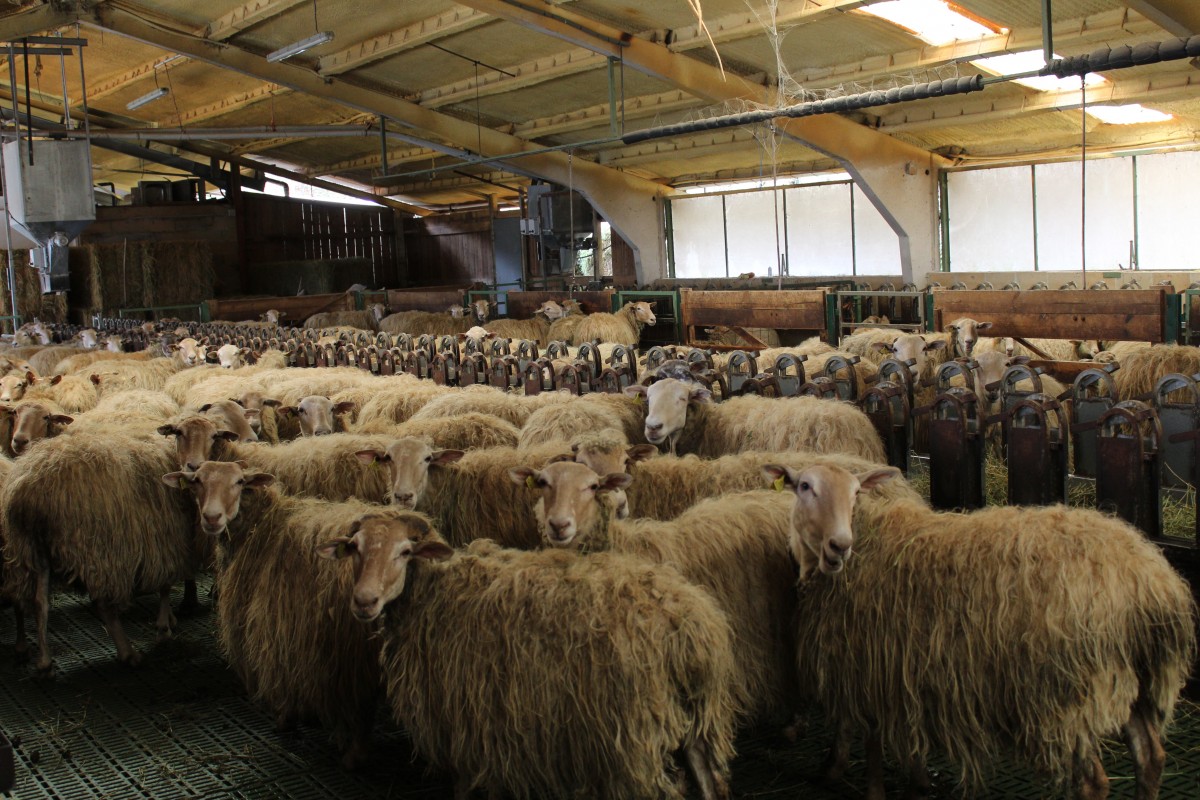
(623, 327)
(615, 664)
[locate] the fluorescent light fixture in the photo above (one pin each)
(935, 21)
(148, 97)
(1131, 114)
(296, 48)
(1029, 61)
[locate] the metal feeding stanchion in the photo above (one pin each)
(1092, 394)
(1036, 430)
(1176, 398)
(956, 455)
(1128, 469)
(886, 405)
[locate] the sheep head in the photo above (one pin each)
(218, 488)
(666, 407)
(316, 414)
(605, 455)
(480, 309)
(643, 313)
(550, 310)
(32, 421)
(568, 498)
(382, 549)
(964, 334)
(196, 440)
(253, 403)
(822, 518)
(408, 462)
(911, 347)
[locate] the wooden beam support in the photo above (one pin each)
(32, 20)
(457, 19)
(232, 103)
(246, 16)
(1177, 17)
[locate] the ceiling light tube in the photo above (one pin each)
(295, 48)
(148, 97)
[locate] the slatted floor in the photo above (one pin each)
(180, 727)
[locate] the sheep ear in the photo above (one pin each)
(937, 345)
(614, 481)
(444, 457)
(641, 452)
(205, 407)
(868, 481)
(371, 456)
(564, 456)
(345, 407)
(228, 436)
(700, 395)
(524, 476)
(433, 551)
(56, 380)
(636, 390)
(258, 480)
(168, 430)
(336, 548)
(179, 480)
(779, 476)
(29, 376)
(94, 379)
(983, 326)
(61, 419)
(286, 411)
(270, 401)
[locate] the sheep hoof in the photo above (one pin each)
(44, 671)
(165, 635)
(133, 659)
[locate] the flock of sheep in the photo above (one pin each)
(552, 607)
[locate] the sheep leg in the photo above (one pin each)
(874, 753)
(700, 772)
(20, 643)
(1092, 780)
(41, 610)
(918, 779)
(190, 605)
(360, 737)
(1149, 757)
(166, 620)
(838, 760)
(112, 623)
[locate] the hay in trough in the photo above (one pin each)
(141, 274)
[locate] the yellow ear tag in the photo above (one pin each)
(530, 482)
(778, 484)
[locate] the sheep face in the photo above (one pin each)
(33, 421)
(822, 517)
(568, 498)
(991, 370)
(378, 310)
(480, 309)
(252, 404)
(218, 487)
(316, 414)
(13, 386)
(570, 307)
(196, 440)
(382, 549)
(609, 461)
(230, 415)
(644, 314)
(231, 356)
(113, 345)
(964, 334)
(89, 339)
(1086, 350)
(271, 315)
(550, 310)
(408, 462)
(666, 407)
(458, 312)
(190, 351)
(911, 346)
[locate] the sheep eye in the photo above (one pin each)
(541, 482)
(428, 459)
(594, 487)
(241, 482)
(804, 487)
(302, 411)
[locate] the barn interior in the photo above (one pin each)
(772, 177)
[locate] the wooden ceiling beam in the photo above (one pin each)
(457, 19)
(246, 16)
(1177, 17)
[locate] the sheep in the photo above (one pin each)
(88, 339)
(617, 665)
(72, 393)
(14, 384)
(563, 328)
(721, 334)
(208, 383)
(396, 400)
(468, 431)
(469, 494)
(7, 596)
(230, 356)
(104, 523)
(255, 406)
(32, 420)
(44, 361)
(283, 622)
(879, 344)
(535, 329)
(597, 411)
(665, 487)
(316, 415)
(362, 320)
(736, 546)
(190, 352)
(1142, 367)
(623, 327)
(683, 416)
(231, 416)
(77, 363)
(117, 376)
(139, 410)
(453, 322)
(512, 408)
(1077, 628)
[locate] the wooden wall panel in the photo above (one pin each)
(783, 310)
(450, 249)
(1125, 314)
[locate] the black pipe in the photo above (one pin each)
(1109, 58)
(850, 102)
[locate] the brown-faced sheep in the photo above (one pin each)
(325, 467)
(46, 360)
(91, 509)
(313, 415)
(735, 546)
(284, 624)
(534, 329)
(616, 664)
(31, 421)
(623, 327)
(683, 415)
(72, 393)
(563, 328)
(1031, 632)
(231, 416)
(118, 376)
